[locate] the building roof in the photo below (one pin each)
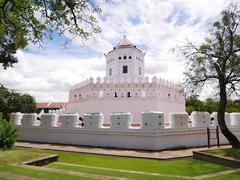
(124, 43)
(51, 104)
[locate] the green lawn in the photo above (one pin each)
(189, 167)
(8, 159)
(95, 164)
(233, 176)
(231, 152)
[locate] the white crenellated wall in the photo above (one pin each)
(49, 120)
(16, 118)
(152, 120)
(121, 120)
(178, 120)
(69, 120)
(126, 95)
(214, 119)
(200, 119)
(153, 136)
(93, 120)
(235, 119)
(29, 120)
(157, 87)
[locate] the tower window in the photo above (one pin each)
(139, 71)
(125, 69)
(130, 57)
(110, 71)
(128, 94)
(119, 57)
(124, 57)
(115, 94)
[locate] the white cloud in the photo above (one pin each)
(159, 25)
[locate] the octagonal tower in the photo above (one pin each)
(125, 60)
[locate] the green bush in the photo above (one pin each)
(8, 134)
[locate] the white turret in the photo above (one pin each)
(125, 60)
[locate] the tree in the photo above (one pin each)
(210, 105)
(8, 134)
(24, 21)
(193, 104)
(12, 101)
(217, 61)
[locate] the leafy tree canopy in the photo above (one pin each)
(12, 101)
(210, 105)
(25, 21)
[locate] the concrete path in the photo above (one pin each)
(163, 155)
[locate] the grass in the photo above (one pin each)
(108, 173)
(186, 167)
(36, 173)
(231, 153)
(19, 155)
(233, 176)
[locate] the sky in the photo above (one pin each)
(155, 26)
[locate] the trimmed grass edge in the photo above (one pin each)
(225, 161)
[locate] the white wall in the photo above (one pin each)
(135, 106)
(129, 139)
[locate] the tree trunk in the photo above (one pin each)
(221, 117)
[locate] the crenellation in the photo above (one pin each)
(100, 89)
(16, 118)
(93, 120)
(29, 120)
(152, 120)
(120, 120)
(235, 119)
(49, 120)
(69, 120)
(178, 120)
(200, 119)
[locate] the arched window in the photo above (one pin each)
(130, 57)
(119, 57)
(124, 57)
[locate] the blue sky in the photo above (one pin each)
(155, 26)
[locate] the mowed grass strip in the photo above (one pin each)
(233, 176)
(22, 171)
(231, 153)
(187, 167)
(112, 172)
(18, 155)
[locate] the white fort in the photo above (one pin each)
(124, 97)
(125, 88)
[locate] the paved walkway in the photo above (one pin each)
(167, 154)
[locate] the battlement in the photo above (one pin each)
(150, 120)
(150, 134)
(127, 88)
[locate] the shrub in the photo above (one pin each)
(8, 134)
